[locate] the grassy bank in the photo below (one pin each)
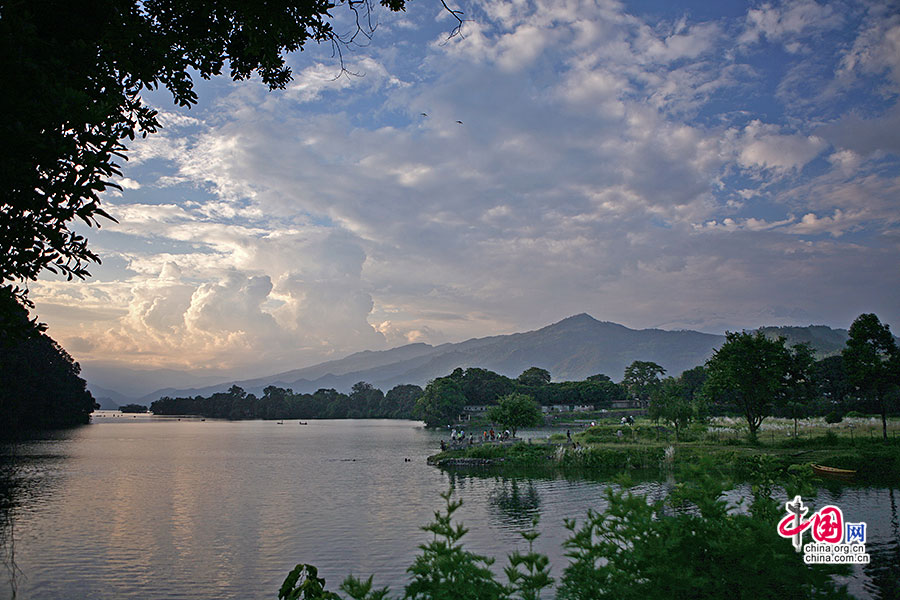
(644, 447)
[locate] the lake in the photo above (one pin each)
(156, 507)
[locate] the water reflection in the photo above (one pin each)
(224, 510)
(7, 539)
(884, 571)
(515, 503)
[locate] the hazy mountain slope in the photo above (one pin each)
(571, 349)
(359, 361)
(825, 340)
(124, 385)
(581, 346)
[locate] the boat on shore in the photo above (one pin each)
(833, 472)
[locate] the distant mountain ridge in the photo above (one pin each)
(824, 340)
(571, 349)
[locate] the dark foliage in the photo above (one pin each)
(600, 394)
(872, 363)
(364, 402)
(39, 383)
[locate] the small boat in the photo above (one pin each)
(302, 423)
(833, 472)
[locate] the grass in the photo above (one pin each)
(855, 443)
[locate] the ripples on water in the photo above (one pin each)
(162, 508)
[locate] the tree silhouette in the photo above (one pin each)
(872, 361)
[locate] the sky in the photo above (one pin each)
(681, 165)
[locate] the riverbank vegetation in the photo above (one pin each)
(755, 376)
(692, 544)
(608, 448)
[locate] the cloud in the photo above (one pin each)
(129, 184)
(810, 223)
(397, 334)
(787, 22)
(638, 168)
(762, 146)
(865, 137)
(876, 50)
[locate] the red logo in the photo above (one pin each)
(826, 525)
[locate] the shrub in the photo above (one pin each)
(834, 417)
(634, 549)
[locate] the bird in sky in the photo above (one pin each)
(424, 114)
(460, 122)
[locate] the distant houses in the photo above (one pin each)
(471, 410)
(567, 408)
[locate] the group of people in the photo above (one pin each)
(459, 436)
(492, 435)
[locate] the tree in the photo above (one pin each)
(598, 393)
(441, 402)
(40, 386)
(365, 401)
(516, 410)
(600, 378)
(796, 398)
(637, 548)
(482, 386)
(641, 379)
(401, 399)
(830, 379)
(757, 371)
(535, 376)
(73, 100)
(672, 402)
(693, 380)
(872, 361)
(445, 570)
(304, 583)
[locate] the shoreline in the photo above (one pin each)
(874, 461)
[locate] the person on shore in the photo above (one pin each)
(568, 435)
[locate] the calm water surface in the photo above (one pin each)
(163, 508)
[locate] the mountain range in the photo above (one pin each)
(571, 349)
